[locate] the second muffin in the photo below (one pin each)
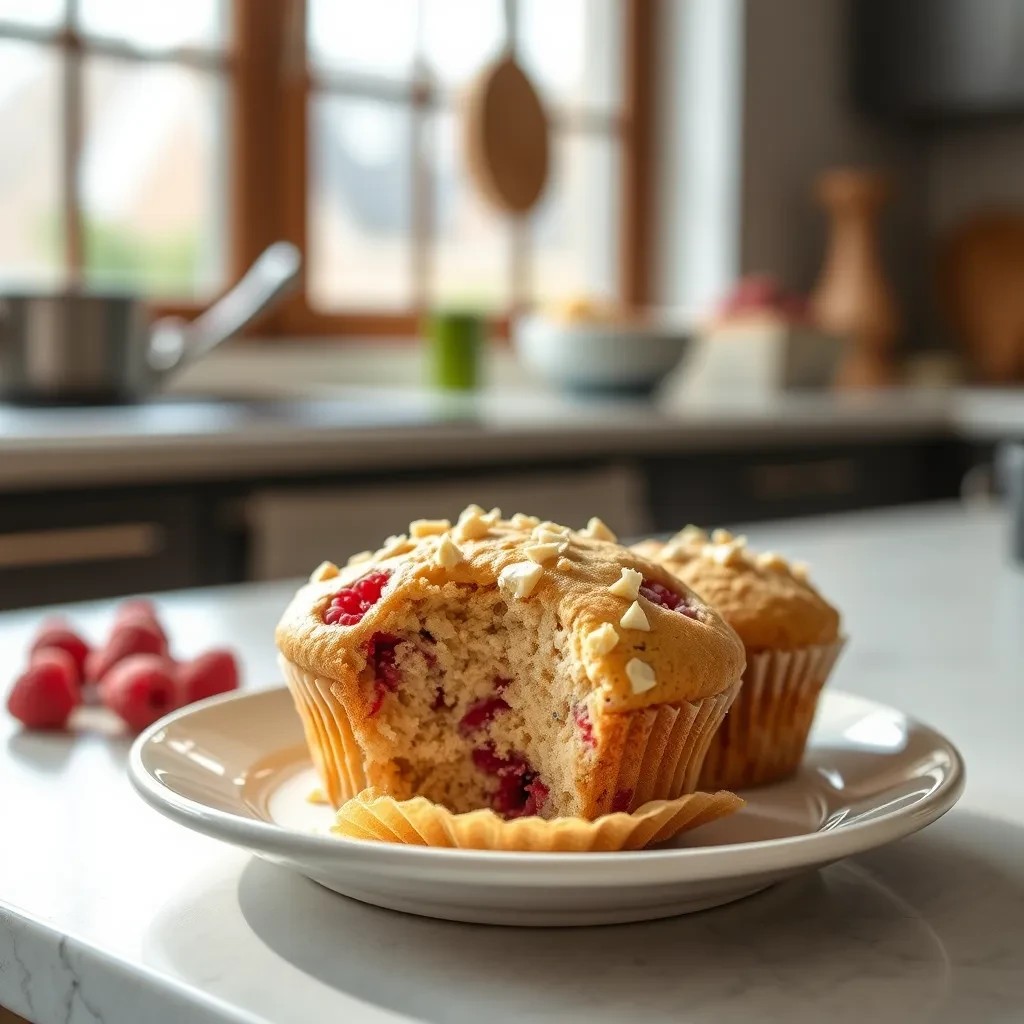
(792, 640)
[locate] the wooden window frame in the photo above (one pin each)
(269, 84)
(72, 45)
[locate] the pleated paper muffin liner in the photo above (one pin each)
(763, 737)
(659, 751)
(332, 744)
(372, 815)
(655, 753)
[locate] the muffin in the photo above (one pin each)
(791, 635)
(509, 665)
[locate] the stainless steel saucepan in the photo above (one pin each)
(89, 348)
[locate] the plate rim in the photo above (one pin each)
(699, 863)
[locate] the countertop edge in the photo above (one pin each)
(44, 974)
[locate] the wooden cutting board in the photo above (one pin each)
(981, 289)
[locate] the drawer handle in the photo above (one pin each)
(832, 477)
(33, 548)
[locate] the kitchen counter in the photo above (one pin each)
(344, 429)
(110, 913)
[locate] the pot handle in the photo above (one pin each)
(174, 343)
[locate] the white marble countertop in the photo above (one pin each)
(110, 913)
(340, 428)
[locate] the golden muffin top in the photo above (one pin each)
(766, 599)
(641, 636)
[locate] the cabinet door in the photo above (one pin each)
(769, 484)
(73, 546)
(291, 531)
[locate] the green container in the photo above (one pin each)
(455, 341)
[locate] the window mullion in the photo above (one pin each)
(424, 229)
(72, 121)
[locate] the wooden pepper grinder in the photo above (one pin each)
(852, 298)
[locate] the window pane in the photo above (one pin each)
(152, 177)
(31, 237)
(375, 38)
(574, 49)
(471, 254)
(38, 13)
(575, 232)
(460, 37)
(360, 210)
(156, 24)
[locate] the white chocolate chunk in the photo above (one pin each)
(641, 675)
(635, 618)
(800, 571)
(360, 556)
(324, 571)
(429, 527)
(720, 537)
(394, 545)
(471, 511)
(542, 553)
(523, 522)
(730, 553)
(563, 564)
(691, 534)
(601, 640)
(549, 527)
(627, 585)
(473, 526)
(598, 530)
(773, 561)
(448, 554)
(560, 540)
(521, 578)
(493, 517)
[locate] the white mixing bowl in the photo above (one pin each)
(600, 358)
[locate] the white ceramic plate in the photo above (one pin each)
(236, 768)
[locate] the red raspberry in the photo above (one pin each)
(140, 688)
(61, 657)
(581, 714)
(57, 633)
(210, 673)
(537, 795)
(45, 694)
(487, 761)
(137, 607)
(520, 792)
(659, 594)
(127, 638)
(622, 799)
(138, 610)
(381, 657)
(349, 605)
(480, 713)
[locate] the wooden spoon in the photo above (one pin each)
(506, 133)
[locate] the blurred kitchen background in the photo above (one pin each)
(663, 261)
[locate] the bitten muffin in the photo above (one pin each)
(507, 664)
(792, 639)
